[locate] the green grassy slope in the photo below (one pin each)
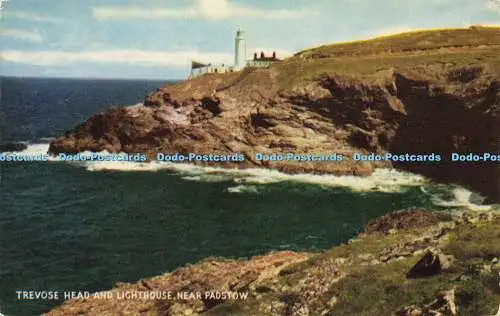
(455, 47)
(409, 41)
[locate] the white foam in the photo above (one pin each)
(208, 178)
(243, 189)
(461, 199)
(116, 166)
(382, 180)
(35, 149)
(47, 139)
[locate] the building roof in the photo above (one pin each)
(263, 57)
(196, 65)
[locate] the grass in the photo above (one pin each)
(295, 71)
(480, 241)
(362, 245)
(409, 41)
(456, 47)
(382, 289)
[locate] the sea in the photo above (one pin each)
(86, 226)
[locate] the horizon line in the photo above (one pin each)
(88, 78)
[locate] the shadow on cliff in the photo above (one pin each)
(444, 123)
(415, 116)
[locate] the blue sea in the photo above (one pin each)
(85, 226)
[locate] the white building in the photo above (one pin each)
(198, 69)
(240, 62)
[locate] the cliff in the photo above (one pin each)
(413, 262)
(435, 91)
(422, 92)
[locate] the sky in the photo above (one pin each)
(156, 39)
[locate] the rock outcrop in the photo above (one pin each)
(429, 265)
(409, 219)
(443, 304)
(441, 101)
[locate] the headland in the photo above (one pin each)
(419, 93)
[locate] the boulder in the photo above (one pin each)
(443, 304)
(429, 265)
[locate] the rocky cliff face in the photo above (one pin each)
(407, 263)
(436, 107)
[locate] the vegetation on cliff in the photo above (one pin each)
(453, 47)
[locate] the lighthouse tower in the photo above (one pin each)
(239, 50)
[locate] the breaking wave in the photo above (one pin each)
(248, 180)
(243, 189)
(382, 180)
(452, 196)
(35, 149)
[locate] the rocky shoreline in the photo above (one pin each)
(437, 101)
(413, 262)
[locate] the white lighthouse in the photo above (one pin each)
(239, 50)
(240, 61)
